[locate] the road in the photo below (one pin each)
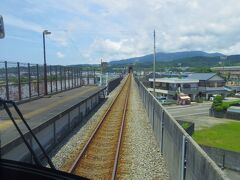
(178, 111)
(198, 113)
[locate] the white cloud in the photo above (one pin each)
(22, 24)
(60, 55)
(113, 29)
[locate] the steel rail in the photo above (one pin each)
(114, 173)
(81, 154)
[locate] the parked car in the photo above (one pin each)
(162, 99)
(237, 94)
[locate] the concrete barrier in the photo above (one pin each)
(113, 84)
(184, 157)
(224, 158)
(52, 132)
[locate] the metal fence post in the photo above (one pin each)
(77, 77)
(74, 76)
(94, 77)
(223, 160)
(184, 159)
(65, 77)
(61, 77)
(19, 82)
(68, 78)
(87, 77)
(56, 69)
(80, 78)
(29, 81)
(6, 79)
(162, 129)
(50, 67)
(153, 117)
(72, 69)
(38, 91)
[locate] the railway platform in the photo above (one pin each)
(39, 112)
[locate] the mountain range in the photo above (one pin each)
(165, 57)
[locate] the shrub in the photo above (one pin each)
(218, 108)
(217, 102)
(225, 106)
(185, 125)
(218, 105)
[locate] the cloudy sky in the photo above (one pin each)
(84, 31)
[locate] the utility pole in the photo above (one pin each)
(154, 63)
(101, 73)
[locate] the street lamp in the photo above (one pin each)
(45, 32)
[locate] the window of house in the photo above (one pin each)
(202, 83)
(186, 86)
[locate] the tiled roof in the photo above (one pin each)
(201, 76)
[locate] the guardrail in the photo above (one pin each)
(21, 81)
(112, 84)
(184, 157)
(51, 132)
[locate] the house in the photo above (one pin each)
(209, 84)
(195, 84)
(169, 87)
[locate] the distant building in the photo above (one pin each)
(170, 86)
(209, 83)
(166, 75)
(196, 84)
(231, 73)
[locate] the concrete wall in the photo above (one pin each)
(233, 115)
(53, 131)
(224, 158)
(113, 84)
(184, 157)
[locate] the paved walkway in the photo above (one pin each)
(41, 110)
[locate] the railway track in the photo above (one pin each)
(100, 155)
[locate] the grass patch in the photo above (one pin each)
(185, 125)
(225, 136)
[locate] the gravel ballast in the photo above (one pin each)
(140, 156)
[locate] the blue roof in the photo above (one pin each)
(201, 76)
